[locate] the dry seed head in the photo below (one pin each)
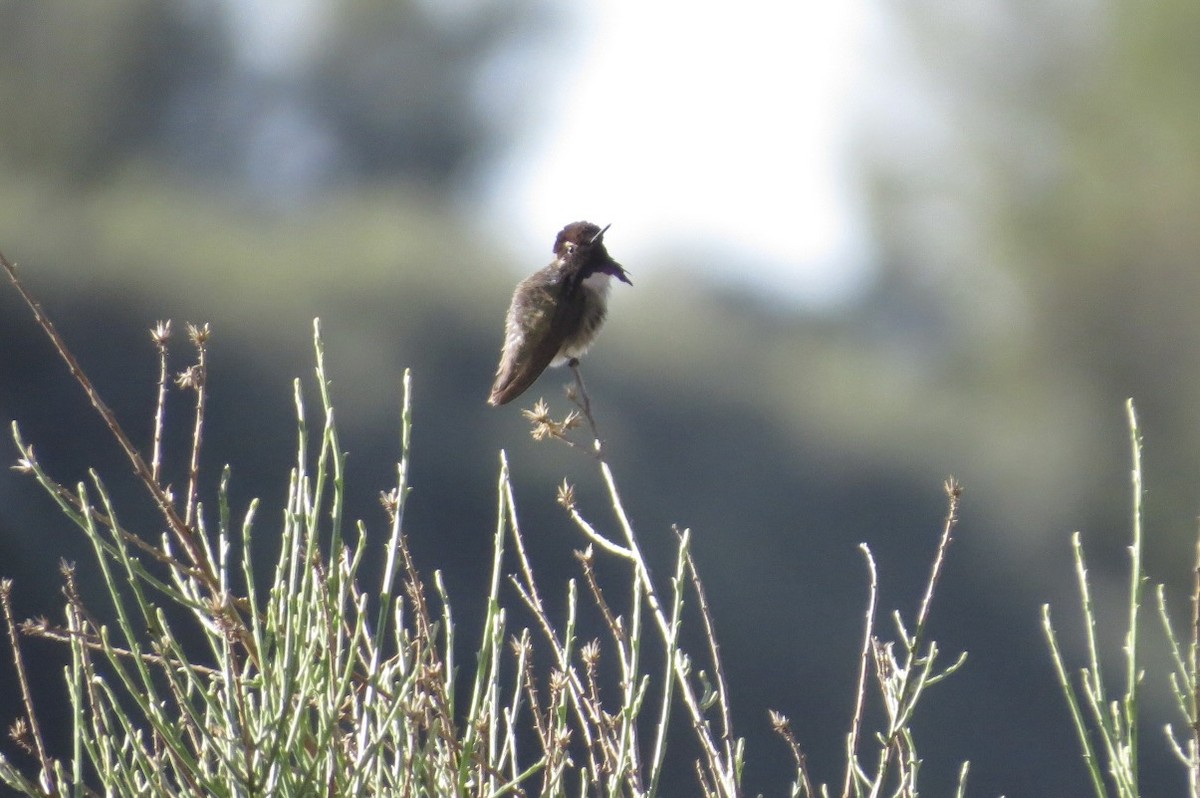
(953, 488)
(566, 495)
(18, 732)
(160, 333)
(390, 501)
(191, 377)
(540, 414)
(26, 464)
(543, 425)
(199, 333)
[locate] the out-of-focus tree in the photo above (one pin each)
(1037, 195)
(84, 85)
(400, 82)
(365, 90)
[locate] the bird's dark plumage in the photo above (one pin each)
(557, 311)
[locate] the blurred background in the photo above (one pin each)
(873, 243)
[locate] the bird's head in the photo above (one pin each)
(581, 245)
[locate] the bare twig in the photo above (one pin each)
(92, 641)
(720, 765)
(28, 463)
(523, 648)
(953, 492)
(863, 666)
(586, 560)
(160, 334)
(26, 694)
(723, 771)
(1195, 662)
(196, 378)
(566, 498)
(783, 727)
(527, 589)
(714, 650)
(908, 684)
(181, 529)
(1137, 577)
(584, 402)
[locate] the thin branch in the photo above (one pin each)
(1195, 674)
(953, 492)
(864, 662)
(586, 559)
(59, 634)
(23, 680)
(714, 650)
(907, 689)
(583, 401)
(566, 498)
(721, 767)
(529, 594)
(196, 378)
(783, 727)
(182, 531)
(160, 334)
(1137, 581)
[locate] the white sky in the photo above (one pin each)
(697, 123)
(687, 124)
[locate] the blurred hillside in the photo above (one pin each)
(1032, 185)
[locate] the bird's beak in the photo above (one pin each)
(600, 235)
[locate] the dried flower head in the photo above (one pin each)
(540, 416)
(391, 502)
(566, 495)
(26, 464)
(520, 646)
(586, 556)
(590, 653)
(546, 427)
(192, 377)
(160, 333)
(18, 732)
(199, 333)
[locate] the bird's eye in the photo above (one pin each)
(570, 248)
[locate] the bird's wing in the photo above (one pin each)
(527, 354)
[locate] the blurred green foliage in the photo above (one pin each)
(1047, 212)
(82, 84)
(1031, 176)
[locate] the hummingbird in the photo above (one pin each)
(557, 311)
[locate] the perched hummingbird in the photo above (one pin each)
(556, 312)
